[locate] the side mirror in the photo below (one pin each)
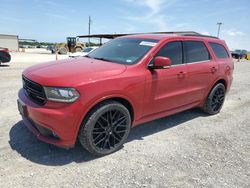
(161, 63)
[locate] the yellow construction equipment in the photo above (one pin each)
(72, 45)
(248, 56)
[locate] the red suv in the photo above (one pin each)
(128, 81)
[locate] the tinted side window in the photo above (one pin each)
(196, 51)
(172, 50)
(219, 50)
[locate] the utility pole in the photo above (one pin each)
(219, 25)
(90, 21)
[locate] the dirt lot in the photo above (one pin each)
(189, 149)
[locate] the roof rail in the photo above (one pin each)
(174, 32)
(112, 36)
(200, 35)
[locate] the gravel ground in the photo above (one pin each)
(189, 149)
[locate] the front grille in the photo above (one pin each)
(34, 91)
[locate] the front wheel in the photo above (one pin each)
(106, 128)
(63, 50)
(215, 100)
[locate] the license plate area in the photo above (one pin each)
(22, 108)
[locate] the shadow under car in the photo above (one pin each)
(26, 144)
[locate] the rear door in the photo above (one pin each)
(224, 62)
(200, 69)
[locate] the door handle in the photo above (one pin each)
(213, 70)
(181, 74)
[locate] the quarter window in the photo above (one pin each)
(196, 51)
(219, 50)
(172, 50)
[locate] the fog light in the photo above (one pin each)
(55, 135)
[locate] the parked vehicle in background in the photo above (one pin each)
(126, 82)
(72, 45)
(4, 55)
(51, 48)
(248, 56)
(239, 54)
(84, 52)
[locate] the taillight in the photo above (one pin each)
(5, 50)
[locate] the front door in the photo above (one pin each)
(165, 89)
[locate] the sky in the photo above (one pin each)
(54, 20)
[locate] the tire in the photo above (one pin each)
(62, 50)
(105, 128)
(215, 100)
(78, 49)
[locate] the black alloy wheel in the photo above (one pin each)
(109, 129)
(106, 129)
(215, 99)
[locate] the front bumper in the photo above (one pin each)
(54, 124)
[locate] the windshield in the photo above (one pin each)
(123, 50)
(87, 49)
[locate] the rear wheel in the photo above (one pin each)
(78, 49)
(106, 128)
(215, 99)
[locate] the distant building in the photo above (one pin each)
(9, 41)
(27, 40)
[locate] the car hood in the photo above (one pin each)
(72, 72)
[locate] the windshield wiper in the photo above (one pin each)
(100, 58)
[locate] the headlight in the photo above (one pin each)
(61, 94)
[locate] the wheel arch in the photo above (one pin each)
(85, 131)
(206, 104)
(222, 81)
(217, 81)
(126, 103)
(121, 99)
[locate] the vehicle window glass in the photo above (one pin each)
(172, 50)
(196, 51)
(219, 50)
(123, 50)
